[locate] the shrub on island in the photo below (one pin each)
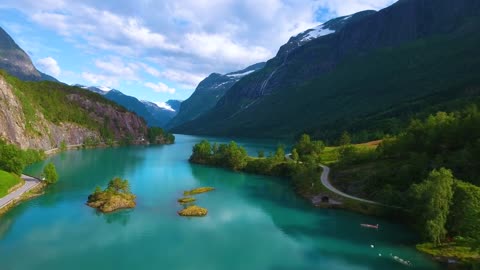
(116, 196)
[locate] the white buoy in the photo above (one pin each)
(372, 246)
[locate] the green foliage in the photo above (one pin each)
(308, 149)
(63, 146)
(345, 139)
(462, 249)
(117, 185)
(157, 135)
(201, 152)
(50, 173)
(231, 156)
(431, 204)
(450, 140)
(11, 159)
(295, 155)
(14, 160)
(464, 216)
(7, 181)
(306, 178)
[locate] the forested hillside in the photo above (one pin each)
(369, 77)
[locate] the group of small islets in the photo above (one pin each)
(190, 209)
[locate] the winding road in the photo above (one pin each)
(326, 183)
(29, 184)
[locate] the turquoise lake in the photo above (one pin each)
(254, 222)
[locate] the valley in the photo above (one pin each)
(336, 135)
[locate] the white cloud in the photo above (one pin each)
(164, 106)
(49, 66)
(186, 39)
(347, 7)
(186, 79)
(160, 87)
(150, 70)
(115, 66)
(221, 48)
(100, 79)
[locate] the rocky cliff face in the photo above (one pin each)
(16, 62)
(48, 135)
(120, 122)
(13, 129)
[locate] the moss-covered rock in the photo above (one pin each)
(193, 211)
(186, 200)
(197, 191)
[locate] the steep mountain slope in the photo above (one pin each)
(42, 115)
(154, 115)
(16, 62)
(374, 70)
(208, 93)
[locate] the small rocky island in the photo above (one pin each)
(116, 196)
(197, 191)
(191, 210)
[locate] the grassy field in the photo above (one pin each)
(330, 154)
(7, 181)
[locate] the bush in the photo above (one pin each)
(50, 173)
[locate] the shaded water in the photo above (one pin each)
(254, 222)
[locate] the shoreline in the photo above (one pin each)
(35, 191)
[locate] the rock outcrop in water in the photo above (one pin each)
(116, 196)
(193, 211)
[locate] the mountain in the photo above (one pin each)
(367, 74)
(154, 115)
(208, 93)
(16, 62)
(43, 115)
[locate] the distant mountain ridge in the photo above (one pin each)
(16, 62)
(362, 73)
(208, 93)
(154, 115)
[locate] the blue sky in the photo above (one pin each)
(160, 50)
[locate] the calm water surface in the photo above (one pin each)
(253, 222)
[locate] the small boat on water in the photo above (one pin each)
(370, 226)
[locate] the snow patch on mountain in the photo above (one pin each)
(104, 88)
(165, 106)
(236, 75)
(317, 32)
